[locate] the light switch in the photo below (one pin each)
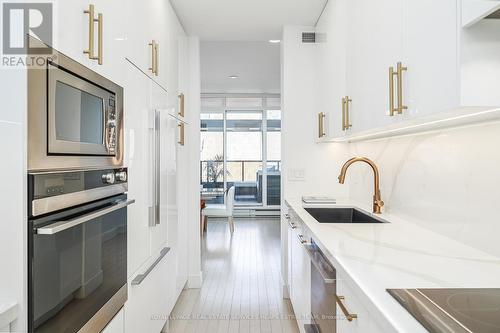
(297, 175)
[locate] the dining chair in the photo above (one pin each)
(225, 210)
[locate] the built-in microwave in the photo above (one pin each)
(75, 117)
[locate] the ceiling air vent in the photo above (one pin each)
(308, 37)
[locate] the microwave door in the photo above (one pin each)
(80, 116)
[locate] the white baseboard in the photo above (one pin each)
(195, 281)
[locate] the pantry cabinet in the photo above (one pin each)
(442, 65)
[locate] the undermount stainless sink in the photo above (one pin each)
(342, 215)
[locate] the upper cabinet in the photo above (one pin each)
(381, 63)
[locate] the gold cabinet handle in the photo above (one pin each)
(90, 50)
(347, 122)
(92, 20)
(99, 38)
(154, 57)
(181, 105)
(349, 316)
(343, 114)
(400, 70)
(321, 125)
(181, 134)
(392, 74)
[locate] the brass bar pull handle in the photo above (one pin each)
(181, 134)
(153, 57)
(392, 74)
(181, 105)
(99, 38)
(400, 70)
(349, 316)
(156, 58)
(90, 50)
(321, 125)
(343, 114)
(347, 113)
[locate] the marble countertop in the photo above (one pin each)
(398, 254)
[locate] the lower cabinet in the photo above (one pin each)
(300, 283)
(353, 305)
(149, 301)
(116, 325)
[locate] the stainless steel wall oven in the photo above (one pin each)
(77, 249)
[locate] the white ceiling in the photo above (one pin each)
(244, 20)
(257, 65)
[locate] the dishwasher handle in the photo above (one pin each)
(325, 269)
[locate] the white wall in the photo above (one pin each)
(13, 222)
(256, 63)
(447, 181)
(193, 182)
(320, 164)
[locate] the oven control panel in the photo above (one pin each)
(50, 184)
(111, 126)
(49, 191)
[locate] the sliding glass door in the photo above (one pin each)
(241, 147)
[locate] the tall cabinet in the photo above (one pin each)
(141, 46)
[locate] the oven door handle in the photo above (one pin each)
(319, 264)
(59, 226)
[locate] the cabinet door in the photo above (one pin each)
(331, 66)
(300, 288)
(137, 133)
(431, 55)
(374, 43)
(71, 33)
(164, 155)
(115, 40)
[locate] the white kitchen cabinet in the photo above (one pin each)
(330, 68)
(300, 283)
(365, 321)
(137, 158)
(117, 324)
(147, 307)
(374, 43)
(430, 54)
(72, 35)
(447, 67)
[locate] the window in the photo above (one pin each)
(241, 147)
(212, 155)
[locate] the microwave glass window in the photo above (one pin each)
(79, 116)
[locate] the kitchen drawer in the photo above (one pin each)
(147, 307)
(365, 322)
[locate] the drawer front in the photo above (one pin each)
(147, 307)
(364, 322)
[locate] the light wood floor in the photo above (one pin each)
(241, 288)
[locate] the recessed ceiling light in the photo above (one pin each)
(233, 76)
(274, 41)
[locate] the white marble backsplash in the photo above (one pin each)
(447, 181)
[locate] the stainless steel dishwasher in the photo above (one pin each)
(323, 291)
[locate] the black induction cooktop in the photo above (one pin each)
(453, 310)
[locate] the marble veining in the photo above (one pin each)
(445, 181)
